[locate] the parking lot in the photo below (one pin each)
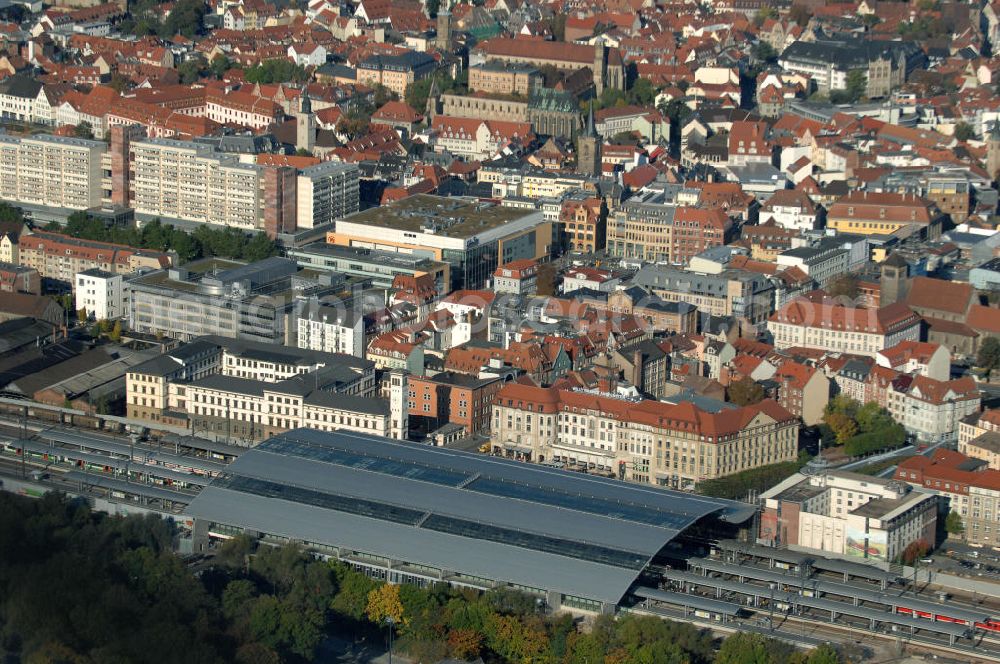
(963, 560)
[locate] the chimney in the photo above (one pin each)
(637, 367)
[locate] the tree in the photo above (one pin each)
(824, 654)
(642, 92)
(857, 84)
(842, 425)
(988, 356)
(465, 644)
(191, 70)
(384, 603)
(220, 65)
(186, 18)
(953, 524)
(81, 314)
(744, 648)
(116, 332)
(432, 7)
(873, 417)
(964, 132)
(764, 52)
(914, 551)
(746, 392)
(83, 130)
(276, 71)
(119, 83)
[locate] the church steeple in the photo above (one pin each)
(993, 151)
(588, 148)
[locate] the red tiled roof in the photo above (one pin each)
(940, 295)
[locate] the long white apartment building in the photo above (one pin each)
(193, 182)
(52, 171)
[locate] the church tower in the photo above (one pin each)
(305, 124)
(588, 150)
(443, 38)
(993, 151)
(894, 281)
(600, 67)
(433, 101)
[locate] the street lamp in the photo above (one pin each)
(390, 622)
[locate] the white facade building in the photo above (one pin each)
(332, 330)
(100, 293)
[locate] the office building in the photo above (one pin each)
(452, 398)
(396, 72)
(474, 237)
(885, 64)
(193, 382)
(376, 266)
(848, 514)
(738, 293)
(99, 293)
(835, 327)
(213, 296)
(884, 213)
(639, 440)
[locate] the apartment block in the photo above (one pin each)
(975, 426)
(844, 513)
(19, 279)
(970, 487)
(61, 257)
(639, 440)
(52, 171)
(193, 182)
(326, 192)
(332, 328)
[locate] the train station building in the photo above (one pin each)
(413, 514)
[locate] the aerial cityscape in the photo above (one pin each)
(499, 331)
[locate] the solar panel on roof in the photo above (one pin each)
(341, 457)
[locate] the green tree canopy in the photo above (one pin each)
(276, 71)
